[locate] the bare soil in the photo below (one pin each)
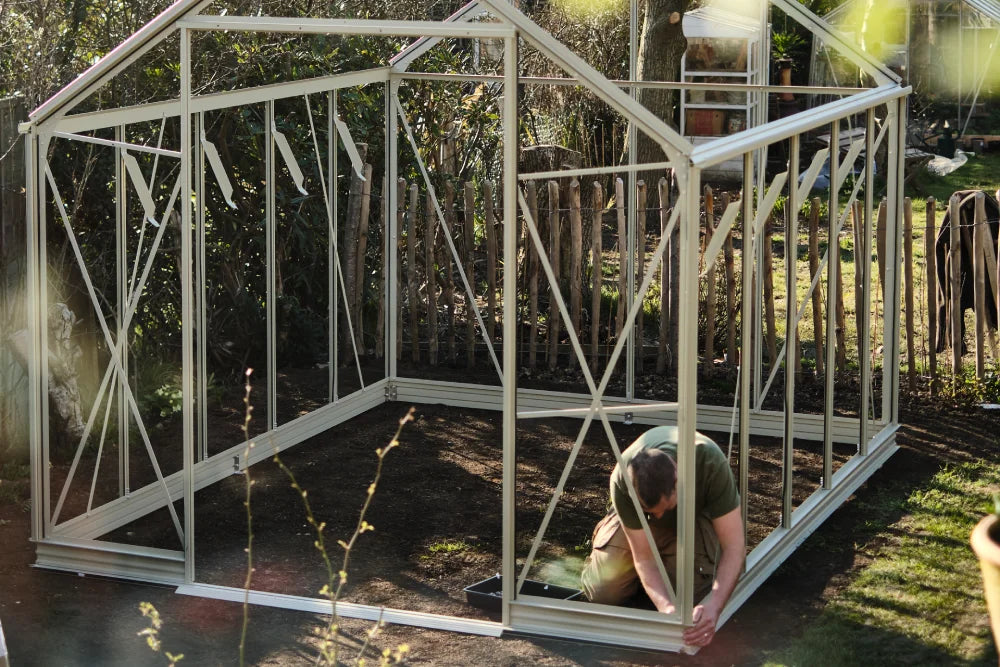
(437, 525)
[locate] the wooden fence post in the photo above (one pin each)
(930, 260)
(880, 247)
(449, 267)
(576, 257)
(469, 229)
(710, 285)
(400, 250)
(430, 262)
(979, 286)
(731, 353)
(596, 277)
(841, 331)
(771, 326)
(360, 273)
(955, 293)
(817, 296)
(411, 274)
(661, 349)
(532, 197)
(858, 227)
(350, 254)
(640, 268)
(490, 221)
(555, 240)
(622, 256)
(911, 361)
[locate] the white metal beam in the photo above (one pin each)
(318, 26)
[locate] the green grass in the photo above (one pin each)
(448, 546)
(981, 172)
(919, 601)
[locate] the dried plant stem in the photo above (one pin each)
(248, 411)
(332, 590)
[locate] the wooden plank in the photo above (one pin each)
(622, 255)
(596, 264)
(911, 360)
(431, 268)
(955, 293)
(640, 268)
(576, 257)
(447, 261)
(979, 286)
(469, 243)
(531, 194)
(554, 259)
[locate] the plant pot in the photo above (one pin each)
(986, 543)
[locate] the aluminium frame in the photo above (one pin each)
(71, 545)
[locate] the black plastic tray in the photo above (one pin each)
(487, 593)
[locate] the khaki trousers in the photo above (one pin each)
(609, 575)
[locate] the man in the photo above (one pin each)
(621, 558)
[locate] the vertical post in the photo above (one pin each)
(469, 234)
(817, 295)
(269, 242)
(622, 254)
(200, 282)
(640, 266)
(890, 369)
(791, 327)
(687, 379)
(841, 316)
(955, 293)
(727, 250)
(532, 196)
(979, 286)
(710, 285)
(747, 323)
(117, 384)
(411, 274)
(930, 258)
(510, 146)
(38, 451)
(554, 260)
(832, 267)
(41, 197)
(360, 275)
(596, 263)
(767, 278)
(576, 257)
(661, 352)
(911, 361)
(864, 316)
(430, 262)
(447, 260)
(333, 254)
(393, 209)
(187, 323)
(491, 261)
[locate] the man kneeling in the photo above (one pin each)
(621, 557)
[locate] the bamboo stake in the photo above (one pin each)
(576, 257)
(710, 286)
(979, 286)
(817, 297)
(532, 197)
(911, 361)
(622, 245)
(771, 325)
(411, 274)
(955, 293)
(449, 268)
(430, 224)
(661, 348)
(640, 265)
(727, 249)
(596, 264)
(930, 259)
(554, 259)
(469, 227)
(491, 261)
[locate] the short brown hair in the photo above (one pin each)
(654, 476)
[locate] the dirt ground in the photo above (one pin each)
(437, 529)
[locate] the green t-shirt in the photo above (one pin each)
(714, 489)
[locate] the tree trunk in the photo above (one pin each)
(661, 45)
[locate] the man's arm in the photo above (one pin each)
(729, 529)
(649, 574)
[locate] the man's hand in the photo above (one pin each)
(705, 617)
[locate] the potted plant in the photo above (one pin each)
(986, 543)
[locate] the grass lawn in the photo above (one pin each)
(919, 601)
